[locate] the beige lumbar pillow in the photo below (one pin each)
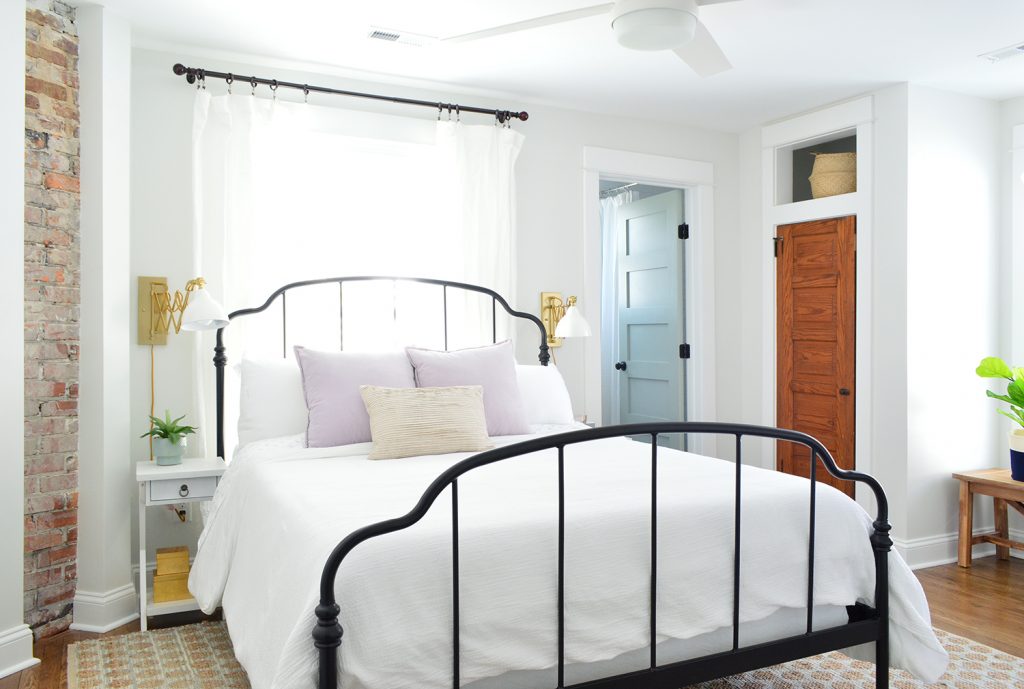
(406, 422)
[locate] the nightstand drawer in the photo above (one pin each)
(182, 488)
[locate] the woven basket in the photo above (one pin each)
(833, 173)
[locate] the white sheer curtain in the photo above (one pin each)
(609, 297)
(286, 192)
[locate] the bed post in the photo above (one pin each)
(327, 639)
(220, 360)
(882, 544)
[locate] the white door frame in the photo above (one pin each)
(696, 178)
(853, 115)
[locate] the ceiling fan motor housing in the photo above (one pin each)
(654, 24)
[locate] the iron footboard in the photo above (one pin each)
(866, 624)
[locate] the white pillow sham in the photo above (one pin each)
(271, 403)
(545, 397)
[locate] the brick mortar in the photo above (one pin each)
(52, 284)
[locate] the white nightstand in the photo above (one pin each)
(194, 480)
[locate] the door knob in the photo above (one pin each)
(620, 366)
(845, 392)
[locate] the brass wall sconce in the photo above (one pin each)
(160, 311)
(561, 319)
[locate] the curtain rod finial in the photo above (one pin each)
(180, 69)
(523, 116)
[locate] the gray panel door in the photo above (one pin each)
(651, 317)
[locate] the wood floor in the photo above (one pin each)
(982, 603)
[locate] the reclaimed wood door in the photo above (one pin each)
(816, 321)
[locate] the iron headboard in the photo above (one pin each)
(220, 359)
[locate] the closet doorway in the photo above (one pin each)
(643, 338)
(816, 273)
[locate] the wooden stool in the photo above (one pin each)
(1004, 491)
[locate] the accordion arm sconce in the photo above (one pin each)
(160, 311)
(561, 318)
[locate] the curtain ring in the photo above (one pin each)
(458, 115)
(449, 112)
(439, 112)
(273, 88)
(305, 93)
(230, 80)
(252, 82)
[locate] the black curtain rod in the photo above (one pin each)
(193, 73)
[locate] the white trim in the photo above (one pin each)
(854, 114)
(1016, 222)
(932, 551)
(695, 177)
(833, 118)
(16, 650)
(102, 612)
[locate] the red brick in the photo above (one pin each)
(59, 408)
(67, 45)
(43, 503)
(57, 593)
(73, 533)
(64, 445)
(45, 19)
(65, 553)
(55, 180)
(55, 57)
(46, 88)
(44, 464)
(31, 101)
(40, 541)
(58, 482)
(44, 388)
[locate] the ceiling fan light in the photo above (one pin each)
(655, 28)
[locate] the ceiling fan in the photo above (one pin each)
(640, 25)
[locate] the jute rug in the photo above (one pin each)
(199, 656)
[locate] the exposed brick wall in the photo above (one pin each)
(51, 314)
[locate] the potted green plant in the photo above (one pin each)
(168, 439)
(994, 367)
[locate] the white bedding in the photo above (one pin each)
(281, 508)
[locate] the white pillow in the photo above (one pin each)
(271, 403)
(544, 394)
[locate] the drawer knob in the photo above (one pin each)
(183, 491)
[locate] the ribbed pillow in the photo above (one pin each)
(407, 422)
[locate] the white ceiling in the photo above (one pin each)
(788, 55)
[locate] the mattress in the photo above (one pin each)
(281, 508)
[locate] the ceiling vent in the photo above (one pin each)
(404, 37)
(1004, 53)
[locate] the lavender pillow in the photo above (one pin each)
(331, 380)
(492, 367)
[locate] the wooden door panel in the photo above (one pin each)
(816, 283)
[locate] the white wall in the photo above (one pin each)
(953, 235)
(15, 637)
(549, 217)
(104, 598)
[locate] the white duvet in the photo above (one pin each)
(281, 508)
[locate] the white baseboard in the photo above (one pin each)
(102, 612)
(942, 549)
(16, 650)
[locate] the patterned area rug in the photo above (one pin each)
(199, 656)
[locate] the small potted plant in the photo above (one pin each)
(168, 439)
(994, 367)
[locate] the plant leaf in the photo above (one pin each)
(1018, 373)
(997, 396)
(1016, 392)
(1010, 416)
(994, 367)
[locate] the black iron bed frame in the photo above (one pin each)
(866, 624)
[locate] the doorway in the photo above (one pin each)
(816, 272)
(643, 332)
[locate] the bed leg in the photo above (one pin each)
(327, 639)
(882, 544)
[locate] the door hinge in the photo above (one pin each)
(777, 241)
(684, 231)
(684, 351)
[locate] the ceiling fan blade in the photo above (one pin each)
(534, 23)
(703, 54)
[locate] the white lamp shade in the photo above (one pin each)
(573, 324)
(203, 312)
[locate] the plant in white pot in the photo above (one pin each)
(168, 439)
(994, 367)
